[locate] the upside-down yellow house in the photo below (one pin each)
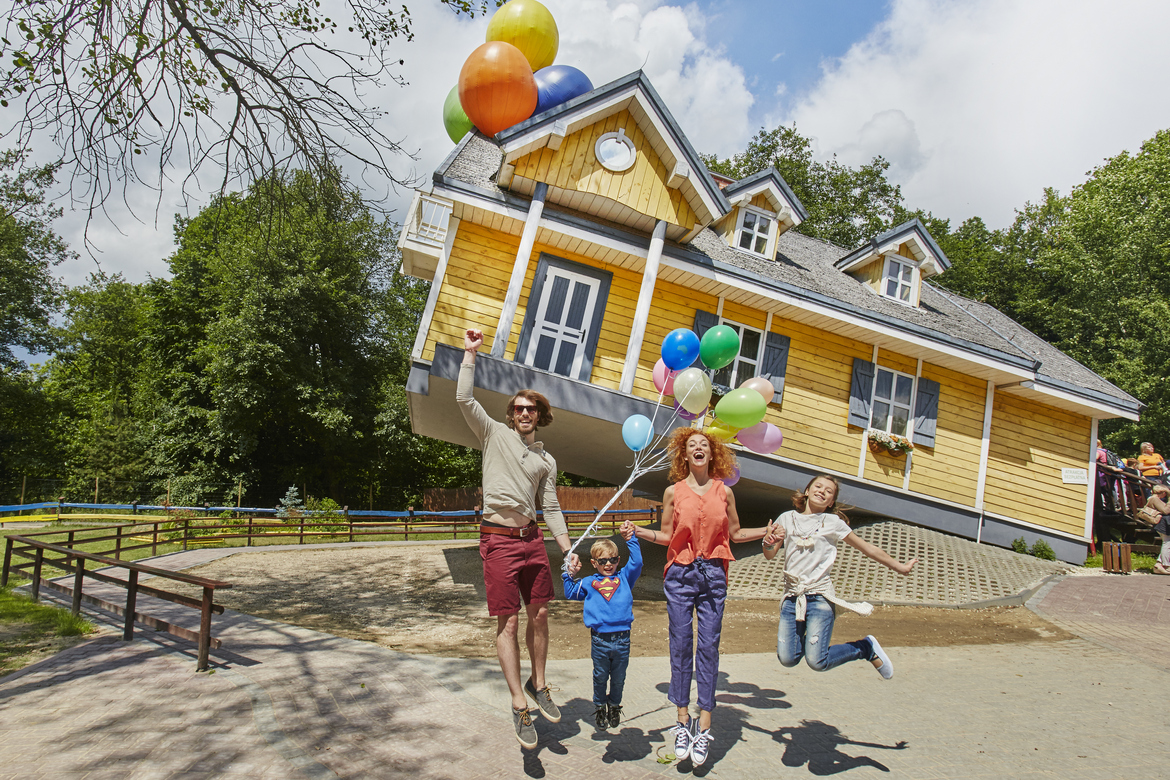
(579, 238)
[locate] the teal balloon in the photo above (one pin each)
(741, 408)
(454, 117)
(637, 432)
(719, 347)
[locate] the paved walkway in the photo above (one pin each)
(286, 702)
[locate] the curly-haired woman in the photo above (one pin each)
(698, 524)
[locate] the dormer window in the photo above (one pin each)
(898, 282)
(754, 231)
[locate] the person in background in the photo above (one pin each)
(1160, 503)
(1150, 463)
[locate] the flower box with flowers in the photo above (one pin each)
(891, 443)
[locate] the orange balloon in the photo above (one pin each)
(496, 87)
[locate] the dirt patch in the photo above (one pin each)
(429, 599)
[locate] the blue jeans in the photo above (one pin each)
(611, 657)
(698, 588)
(809, 638)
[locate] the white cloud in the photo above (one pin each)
(979, 105)
(702, 86)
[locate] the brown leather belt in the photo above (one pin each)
(518, 533)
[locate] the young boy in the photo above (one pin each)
(609, 612)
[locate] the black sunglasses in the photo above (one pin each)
(607, 561)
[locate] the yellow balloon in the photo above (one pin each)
(721, 430)
(530, 27)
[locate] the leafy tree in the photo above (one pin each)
(846, 206)
(29, 249)
(247, 86)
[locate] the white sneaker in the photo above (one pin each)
(886, 669)
(700, 746)
(682, 740)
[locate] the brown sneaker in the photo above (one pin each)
(525, 731)
(543, 699)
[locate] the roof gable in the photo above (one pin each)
(911, 236)
(771, 185)
(682, 169)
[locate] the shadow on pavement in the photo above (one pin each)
(815, 743)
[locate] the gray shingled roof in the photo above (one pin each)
(806, 264)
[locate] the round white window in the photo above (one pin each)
(615, 151)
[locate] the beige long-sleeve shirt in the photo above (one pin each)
(514, 472)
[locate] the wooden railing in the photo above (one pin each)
(1118, 501)
(36, 555)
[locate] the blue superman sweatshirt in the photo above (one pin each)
(609, 601)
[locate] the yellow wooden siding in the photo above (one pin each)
(737, 312)
(728, 224)
(871, 274)
(815, 409)
(1030, 444)
(761, 202)
(950, 469)
(896, 361)
(474, 287)
(885, 468)
(642, 188)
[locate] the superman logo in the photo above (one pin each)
(606, 586)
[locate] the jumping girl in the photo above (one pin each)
(809, 536)
(698, 524)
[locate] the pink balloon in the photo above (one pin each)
(762, 437)
(685, 415)
(729, 481)
(664, 378)
(761, 386)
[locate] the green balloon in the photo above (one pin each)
(741, 408)
(454, 117)
(719, 347)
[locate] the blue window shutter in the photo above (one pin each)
(926, 412)
(861, 393)
(775, 362)
(704, 321)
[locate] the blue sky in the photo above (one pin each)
(978, 105)
(790, 53)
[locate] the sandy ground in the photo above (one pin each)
(429, 599)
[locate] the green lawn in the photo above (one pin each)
(28, 629)
(1139, 561)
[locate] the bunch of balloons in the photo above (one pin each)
(739, 415)
(511, 76)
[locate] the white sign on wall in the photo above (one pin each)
(1074, 476)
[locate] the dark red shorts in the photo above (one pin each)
(515, 568)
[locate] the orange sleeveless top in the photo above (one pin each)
(700, 526)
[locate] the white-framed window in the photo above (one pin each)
(754, 231)
(747, 363)
(615, 151)
(898, 280)
(893, 394)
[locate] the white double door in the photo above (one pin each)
(564, 315)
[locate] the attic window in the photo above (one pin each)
(898, 281)
(615, 151)
(754, 232)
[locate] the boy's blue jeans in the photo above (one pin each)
(611, 657)
(809, 638)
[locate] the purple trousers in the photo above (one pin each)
(699, 587)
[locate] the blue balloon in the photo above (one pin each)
(558, 84)
(679, 349)
(637, 431)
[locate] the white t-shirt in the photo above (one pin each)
(811, 564)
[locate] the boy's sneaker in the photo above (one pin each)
(543, 699)
(525, 731)
(615, 715)
(700, 746)
(682, 740)
(886, 668)
(601, 716)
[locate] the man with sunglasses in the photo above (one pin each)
(516, 470)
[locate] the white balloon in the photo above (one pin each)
(692, 390)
